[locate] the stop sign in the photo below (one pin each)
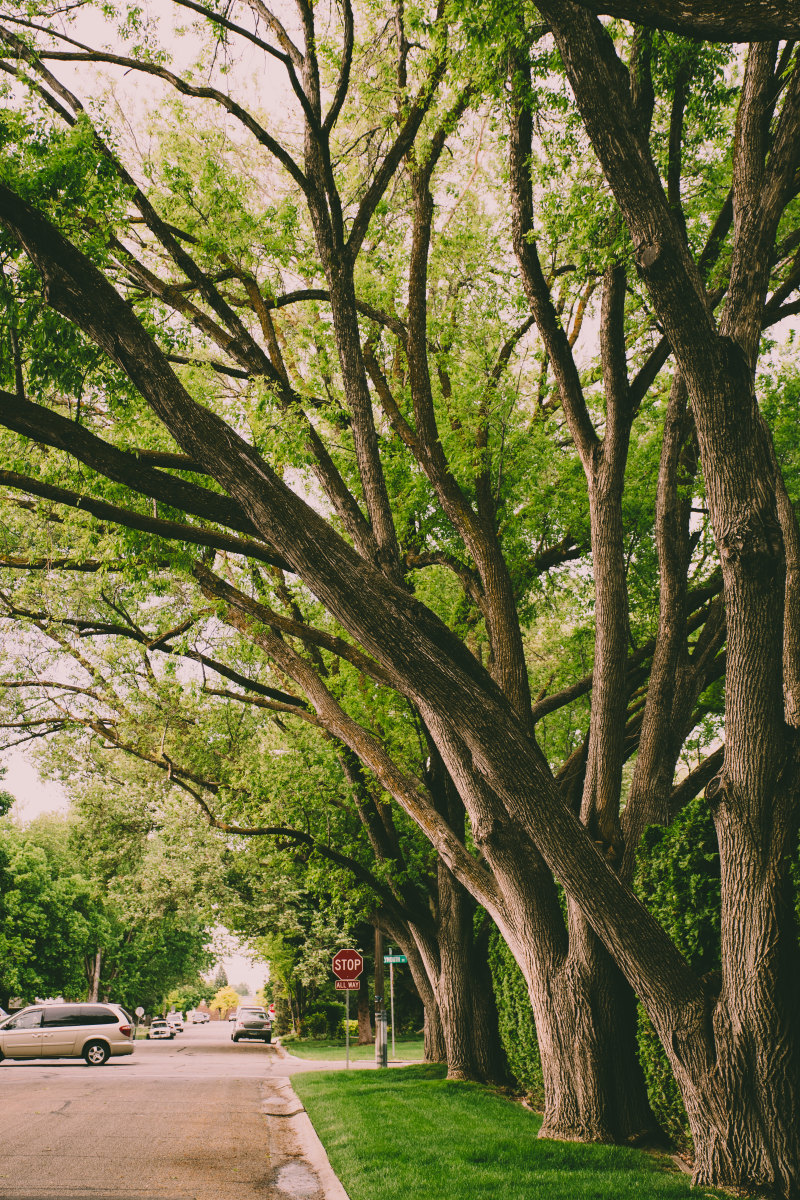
(347, 964)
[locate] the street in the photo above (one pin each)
(196, 1118)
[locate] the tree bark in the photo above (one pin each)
(94, 977)
(365, 1035)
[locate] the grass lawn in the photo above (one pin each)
(408, 1049)
(408, 1134)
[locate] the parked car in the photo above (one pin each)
(252, 1022)
(159, 1028)
(176, 1021)
(95, 1032)
(232, 1014)
(198, 1017)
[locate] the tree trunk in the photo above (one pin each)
(584, 1011)
(365, 1035)
(94, 978)
(434, 1049)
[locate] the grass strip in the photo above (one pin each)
(409, 1134)
(407, 1049)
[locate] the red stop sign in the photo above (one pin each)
(347, 964)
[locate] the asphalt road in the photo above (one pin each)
(196, 1118)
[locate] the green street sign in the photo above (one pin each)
(395, 958)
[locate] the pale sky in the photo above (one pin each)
(33, 794)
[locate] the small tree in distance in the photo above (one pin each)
(225, 1000)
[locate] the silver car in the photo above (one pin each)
(94, 1032)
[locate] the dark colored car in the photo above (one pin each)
(252, 1023)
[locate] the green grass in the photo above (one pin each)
(410, 1135)
(407, 1049)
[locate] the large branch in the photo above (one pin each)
(713, 20)
(170, 530)
(49, 428)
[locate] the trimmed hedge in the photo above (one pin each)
(515, 1019)
(678, 879)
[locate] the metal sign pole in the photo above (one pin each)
(391, 995)
(347, 1029)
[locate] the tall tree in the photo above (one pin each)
(353, 547)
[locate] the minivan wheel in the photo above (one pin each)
(96, 1053)
(234, 1037)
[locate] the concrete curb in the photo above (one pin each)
(305, 1136)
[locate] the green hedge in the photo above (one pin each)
(515, 1018)
(678, 879)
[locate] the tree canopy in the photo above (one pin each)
(434, 410)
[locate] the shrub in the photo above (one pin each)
(677, 878)
(515, 1019)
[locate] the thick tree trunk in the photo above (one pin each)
(584, 1011)
(490, 1055)
(585, 1023)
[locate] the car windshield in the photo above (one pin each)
(252, 1012)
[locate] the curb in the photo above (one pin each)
(305, 1135)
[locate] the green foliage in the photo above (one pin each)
(100, 881)
(516, 1024)
(678, 879)
(188, 996)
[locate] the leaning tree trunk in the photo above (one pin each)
(434, 1047)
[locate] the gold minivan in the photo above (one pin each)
(94, 1032)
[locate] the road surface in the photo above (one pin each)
(197, 1118)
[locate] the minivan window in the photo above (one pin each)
(98, 1016)
(61, 1015)
(26, 1020)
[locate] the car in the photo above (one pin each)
(252, 1022)
(176, 1021)
(232, 1014)
(159, 1028)
(198, 1017)
(94, 1032)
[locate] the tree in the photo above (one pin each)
(224, 1001)
(354, 550)
(220, 979)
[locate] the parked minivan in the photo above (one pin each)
(94, 1032)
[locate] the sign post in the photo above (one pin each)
(347, 966)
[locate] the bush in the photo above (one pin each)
(340, 1029)
(315, 1024)
(515, 1019)
(677, 878)
(322, 1021)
